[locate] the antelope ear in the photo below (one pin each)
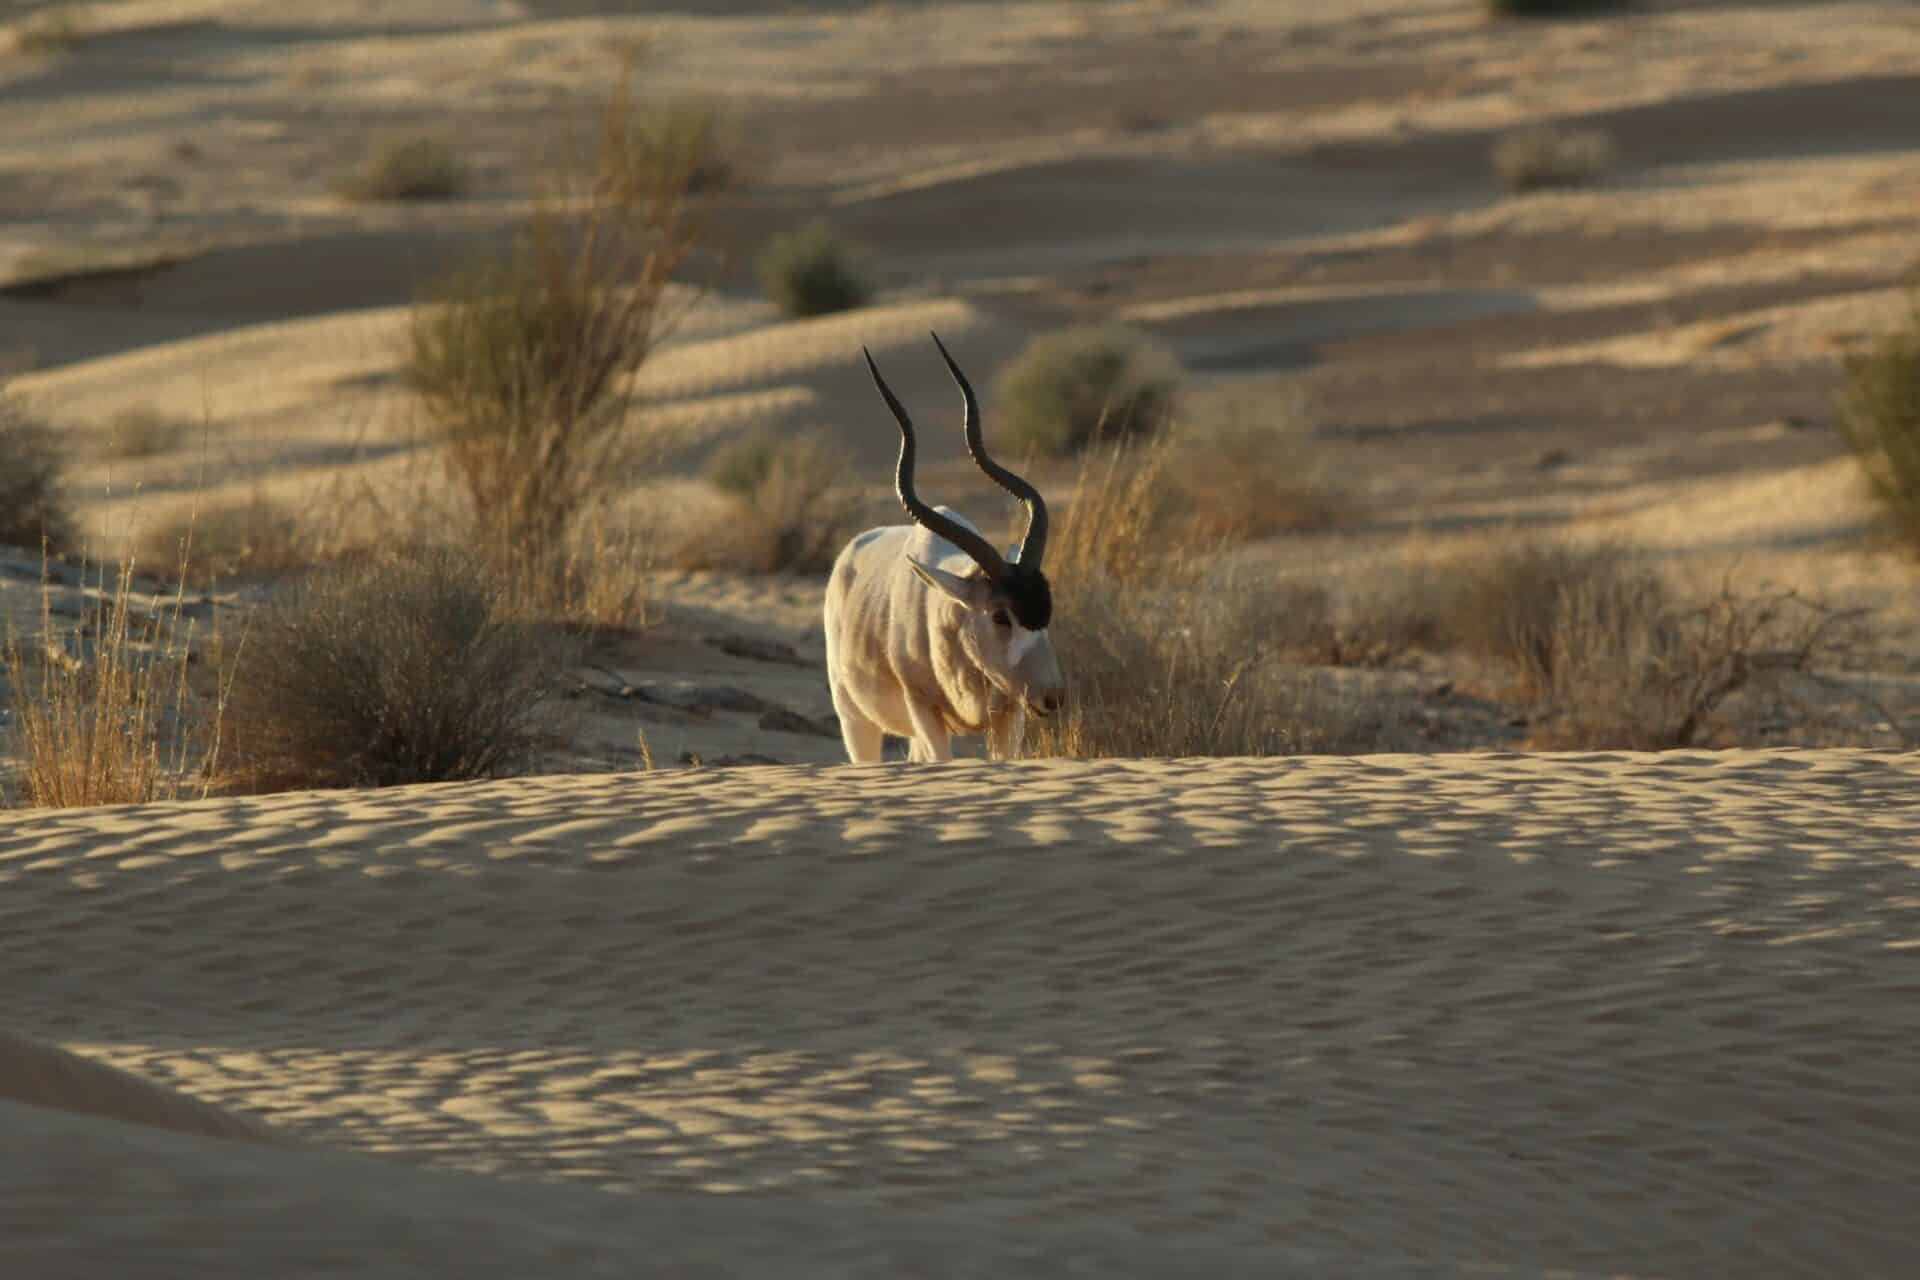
(971, 591)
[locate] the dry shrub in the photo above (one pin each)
(812, 272)
(1165, 655)
(104, 712)
(255, 538)
(1880, 417)
(1551, 8)
(1240, 478)
(33, 503)
(416, 168)
(142, 433)
(789, 509)
(1079, 386)
(1550, 156)
(409, 669)
(686, 136)
(1635, 670)
(52, 31)
(522, 362)
(1507, 600)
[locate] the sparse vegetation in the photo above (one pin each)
(812, 272)
(1880, 417)
(142, 433)
(406, 669)
(33, 503)
(689, 137)
(1166, 655)
(103, 713)
(1550, 156)
(1240, 477)
(1635, 670)
(49, 32)
(1069, 389)
(1551, 8)
(790, 509)
(409, 168)
(522, 362)
(258, 537)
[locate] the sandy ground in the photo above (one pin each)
(1615, 1013)
(1389, 1016)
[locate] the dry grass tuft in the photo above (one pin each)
(255, 538)
(33, 504)
(415, 168)
(411, 669)
(1082, 386)
(1880, 417)
(103, 713)
(790, 509)
(1550, 156)
(1241, 478)
(812, 272)
(522, 363)
(49, 32)
(143, 433)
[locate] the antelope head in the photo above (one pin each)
(1006, 604)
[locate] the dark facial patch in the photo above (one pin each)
(1028, 597)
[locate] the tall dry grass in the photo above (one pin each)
(105, 712)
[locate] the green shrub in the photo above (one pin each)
(1880, 417)
(1069, 389)
(143, 433)
(411, 669)
(417, 168)
(811, 272)
(33, 504)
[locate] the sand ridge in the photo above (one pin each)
(1617, 1012)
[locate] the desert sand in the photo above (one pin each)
(1613, 1014)
(1395, 1015)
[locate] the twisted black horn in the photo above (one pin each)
(952, 530)
(1033, 543)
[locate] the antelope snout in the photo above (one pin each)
(1046, 702)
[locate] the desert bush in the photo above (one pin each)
(1551, 8)
(103, 713)
(33, 503)
(688, 137)
(1508, 600)
(790, 509)
(1067, 390)
(255, 537)
(1241, 477)
(1550, 156)
(142, 433)
(413, 168)
(812, 272)
(51, 31)
(1639, 671)
(1167, 655)
(522, 362)
(406, 669)
(1880, 417)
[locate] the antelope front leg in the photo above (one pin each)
(931, 741)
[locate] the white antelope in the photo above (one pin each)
(930, 633)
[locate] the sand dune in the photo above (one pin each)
(1614, 1012)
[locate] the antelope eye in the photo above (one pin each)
(1000, 618)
